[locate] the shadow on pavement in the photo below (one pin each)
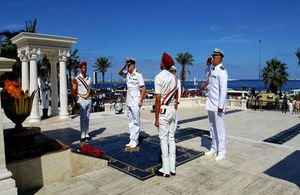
(69, 135)
(287, 169)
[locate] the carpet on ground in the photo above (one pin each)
(142, 161)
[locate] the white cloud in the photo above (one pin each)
(13, 26)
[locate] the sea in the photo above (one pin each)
(232, 84)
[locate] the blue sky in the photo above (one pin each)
(145, 29)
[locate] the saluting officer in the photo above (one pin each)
(166, 103)
(134, 99)
(173, 70)
(216, 103)
(81, 91)
(44, 86)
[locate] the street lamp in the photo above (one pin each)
(259, 71)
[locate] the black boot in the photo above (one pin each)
(45, 114)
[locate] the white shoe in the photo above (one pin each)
(134, 144)
(220, 157)
(210, 153)
(129, 144)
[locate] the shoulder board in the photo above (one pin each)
(222, 68)
(138, 71)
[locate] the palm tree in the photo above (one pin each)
(185, 59)
(72, 64)
(101, 65)
(274, 74)
(298, 55)
(30, 26)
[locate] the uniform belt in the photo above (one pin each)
(133, 89)
(163, 108)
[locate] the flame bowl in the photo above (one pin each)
(17, 109)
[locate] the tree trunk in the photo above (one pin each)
(70, 80)
(102, 80)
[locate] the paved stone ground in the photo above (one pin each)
(251, 166)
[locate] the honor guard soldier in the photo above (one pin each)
(216, 103)
(81, 91)
(166, 102)
(173, 70)
(134, 99)
(44, 87)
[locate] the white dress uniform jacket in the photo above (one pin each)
(85, 104)
(134, 83)
(44, 86)
(166, 85)
(217, 91)
(217, 88)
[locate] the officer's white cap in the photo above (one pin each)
(173, 68)
(130, 61)
(43, 68)
(218, 52)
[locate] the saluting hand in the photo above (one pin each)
(208, 62)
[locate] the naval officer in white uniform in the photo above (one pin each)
(134, 99)
(173, 70)
(216, 103)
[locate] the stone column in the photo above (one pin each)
(63, 56)
(23, 55)
(7, 184)
(33, 85)
(53, 59)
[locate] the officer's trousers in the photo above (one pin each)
(176, 120)
(167, 132)
(85, 110)
(133, 116)
(218, 132)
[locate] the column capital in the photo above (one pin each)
(63, 55)
(23, 55)
(52, 56)
(34, 53)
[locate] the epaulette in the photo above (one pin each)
(222, 68)
(138, 71)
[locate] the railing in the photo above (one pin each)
(189, 102)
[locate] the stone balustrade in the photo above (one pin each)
(189, 102)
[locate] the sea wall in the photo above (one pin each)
(189, 102)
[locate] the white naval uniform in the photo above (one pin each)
(85, 104)
(44, 87)
(179, 96)
(166, 85)
(134, 83)
(217, 91)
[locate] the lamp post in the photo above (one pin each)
(259, 71)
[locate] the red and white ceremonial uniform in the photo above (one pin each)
(81, 85)
(166, 85)
(134, 83)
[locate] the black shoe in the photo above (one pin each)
(158, 173)
(88, 138)
(82, 140)
(173, 174)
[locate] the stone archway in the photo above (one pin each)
(57, 49)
